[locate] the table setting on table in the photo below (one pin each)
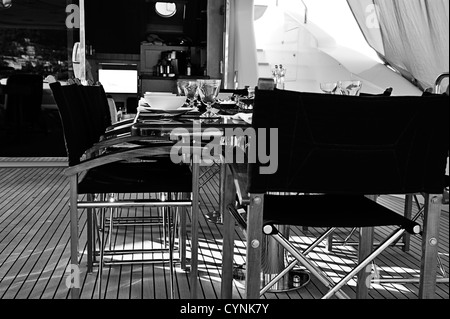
(347, 87)
(203, 101)
(192, 98)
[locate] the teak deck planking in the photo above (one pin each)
(35, 249)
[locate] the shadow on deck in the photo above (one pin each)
(34, 249)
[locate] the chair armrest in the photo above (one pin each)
(119, 125)
(117, 131)
(122, 155)
(124, 141)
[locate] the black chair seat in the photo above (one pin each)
(146, 177)
(331, 211)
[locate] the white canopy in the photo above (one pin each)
(411, 35)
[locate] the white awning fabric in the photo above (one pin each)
(241, 65)
(410, 35)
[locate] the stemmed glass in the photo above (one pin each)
(180, 87)
(350, 87)
(208, 91)
(328, 88)
(191, 91)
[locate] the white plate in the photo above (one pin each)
(153, 110)
(159, 112)
(189, 109)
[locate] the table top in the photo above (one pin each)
(191, 122)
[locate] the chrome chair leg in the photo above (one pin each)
(90, 235)
(182, 234)
(171, 248)
(171, 224)
(352, 232)
(96, 236)
(163, 213)
(110, 230)
(102, 249)
(111, 198)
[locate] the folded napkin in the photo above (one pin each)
(246, 117)
(143, 102)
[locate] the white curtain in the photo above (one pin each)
(240, 45)
(411, 35)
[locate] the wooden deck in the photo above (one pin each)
(34, 249)
(27, 162)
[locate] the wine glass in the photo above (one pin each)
(180, 90)
(191, 91)
(350, 87)
(328, 88)
(180, 87)
(208, 91)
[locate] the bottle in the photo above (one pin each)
(158, 68)
(281, 79)
(163, 68)
(188, 68)
(168, 68)
(275, 74)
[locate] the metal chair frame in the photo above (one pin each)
(97, 156)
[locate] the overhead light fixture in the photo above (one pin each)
(5, 4)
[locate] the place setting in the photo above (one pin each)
(162, 105)
(208, 91)
(347, 87)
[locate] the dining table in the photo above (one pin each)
(195, 131)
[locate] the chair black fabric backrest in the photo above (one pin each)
(25, 91)
(85, 115)
(240, 92)
(353, 145)
(96, 110)
(76, 130)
